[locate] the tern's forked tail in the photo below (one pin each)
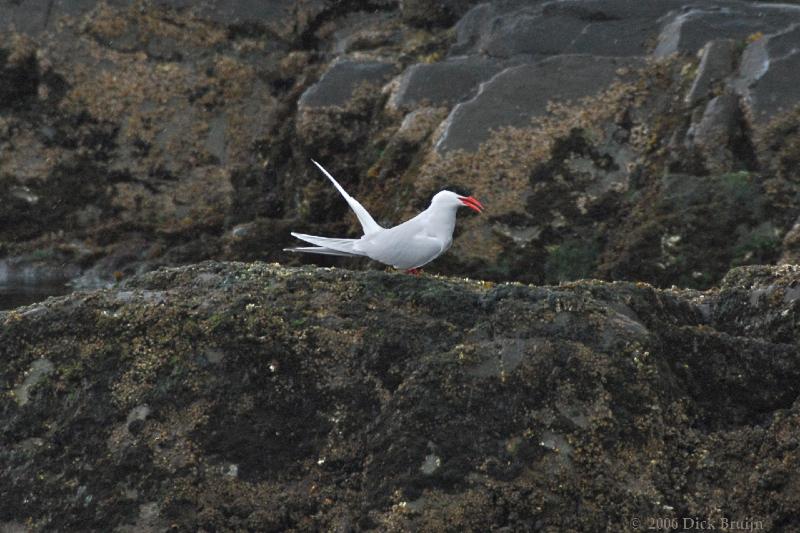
(325, 245)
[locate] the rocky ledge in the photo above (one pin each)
(640, 140)
(232, 396)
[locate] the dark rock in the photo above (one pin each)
(762, 299)
(216, 140)
(28, 17)
(613, 10)
(336, 87)
(714, 133)
(612, 27)
(444, 83)
(353, 400)
(363, 30)
(32, 17)
(598, 27)
(717, 61)
(470, 28)
(76, 8)
(688, 31)
(20, 78)
(519, 94)
(418, 125)
(37, 270)
(523, 33)
(613, 38)
(791, 245)
(769, 75)
(431, 13)
(504, 32)
(284, 18)
(664, 230)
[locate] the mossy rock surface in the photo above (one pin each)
(234, 396)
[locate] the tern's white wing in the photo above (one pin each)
(368, 224)
(404, 246)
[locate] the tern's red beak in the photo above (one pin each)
(472, 203)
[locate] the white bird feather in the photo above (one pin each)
(408, 246)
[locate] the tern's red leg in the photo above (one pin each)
(414, 271)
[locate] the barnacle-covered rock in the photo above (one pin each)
(227, 396)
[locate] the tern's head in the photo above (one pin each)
(451, 199)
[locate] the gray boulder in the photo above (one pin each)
(336, 87)
(524, 33)
(610, 10)
(444, 83)
(612, 27)
(769, 75)
(713, 133)
(554, 28)
(716, 63)
(687, 31)
(30, 17)
(470, 28)
(519, 94)
(600, 27)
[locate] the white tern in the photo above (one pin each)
(408, 246)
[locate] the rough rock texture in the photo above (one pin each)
(443, 83)
(690, 29)
(713, 135)
(339, 83)
(426, 13)
(766, 73)
(717, 61)
(233, 396)
(225, 397)
(520, 94)
(163, 132)
(605, 27)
